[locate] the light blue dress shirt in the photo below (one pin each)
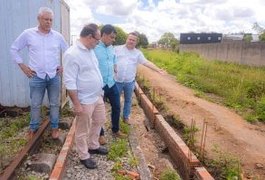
(106, 60)
(44, 50)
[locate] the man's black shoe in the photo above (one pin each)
(100, 150)
(89, 163)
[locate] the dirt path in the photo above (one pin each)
(226, 129)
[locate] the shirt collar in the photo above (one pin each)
(80, 45)
(37, 30)
(102, 44)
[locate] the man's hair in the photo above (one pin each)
(45, 9)
(89, 29)
(134, 34)
(108, 29)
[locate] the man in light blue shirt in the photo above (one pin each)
(107, 65)
(44, 69)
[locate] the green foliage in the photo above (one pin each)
(168, 40)
(117, 166)
(189, 135)
(225, 165)
(260, 30)
(132, 161)
(247, 37)
(240, 86)
(169, 174)
(261, 109)
(118, 149)
(143, 41)
(125, 128)
(262, 36)
(121, 36)
(120, 177)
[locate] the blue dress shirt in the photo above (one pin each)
(106, 60)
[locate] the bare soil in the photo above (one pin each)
(226, 129)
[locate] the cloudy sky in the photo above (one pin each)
(155, 17)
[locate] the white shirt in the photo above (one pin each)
(81, 73)
(127, 62)
(44, 50)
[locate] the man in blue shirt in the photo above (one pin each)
(107, 66)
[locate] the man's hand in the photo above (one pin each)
(161, 71)
(29, 73)
(59, 70)
(78, 109)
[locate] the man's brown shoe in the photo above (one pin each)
(119, 134)
(127, 121)
(102, 140)
(55, 133)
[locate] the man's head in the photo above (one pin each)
(108, 34)
(90, 35)
(45, 18)
(132, 40)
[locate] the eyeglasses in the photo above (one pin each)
(95, 38)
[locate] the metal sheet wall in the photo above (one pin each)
(16, 16)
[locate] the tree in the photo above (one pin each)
(143, 41)
(121, 36)
(247, 37)
(168, 40)
(260, 30)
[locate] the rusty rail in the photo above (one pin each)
(10, 170)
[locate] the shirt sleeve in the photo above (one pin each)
(17, 45)
(70, 72)
(114, 55)
(64, 44)
(141, 58)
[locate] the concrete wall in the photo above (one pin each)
(237, 52)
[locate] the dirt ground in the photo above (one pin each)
(226, 129)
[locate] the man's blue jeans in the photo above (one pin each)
(112, 94)
(128, 88)
(37, 92)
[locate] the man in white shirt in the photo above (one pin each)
(44, 69)
(128, 58)
(84, 83)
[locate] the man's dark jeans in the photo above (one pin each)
(112, 94)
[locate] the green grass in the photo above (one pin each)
(240, 87)
(10, 140)
(226, 165)
(118, 149)
(169, 174)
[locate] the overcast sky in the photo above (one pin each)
(155, 17)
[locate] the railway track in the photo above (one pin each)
(64, 162)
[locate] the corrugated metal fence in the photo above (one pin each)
(16, 16)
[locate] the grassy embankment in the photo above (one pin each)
(237, 86)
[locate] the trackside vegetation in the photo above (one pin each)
(237, 86)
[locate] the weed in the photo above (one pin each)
(117, 166)
(120, 177)
(224, 165)
(241, 87)
(118, 149)
(133, 162)
(189, 135)
(169, 174)
(125, 128)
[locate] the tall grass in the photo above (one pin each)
(241, 87)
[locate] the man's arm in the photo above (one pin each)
(150, 65)
(16, 46)
(29, 73)
(77, 105)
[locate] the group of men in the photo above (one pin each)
(93, 71)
